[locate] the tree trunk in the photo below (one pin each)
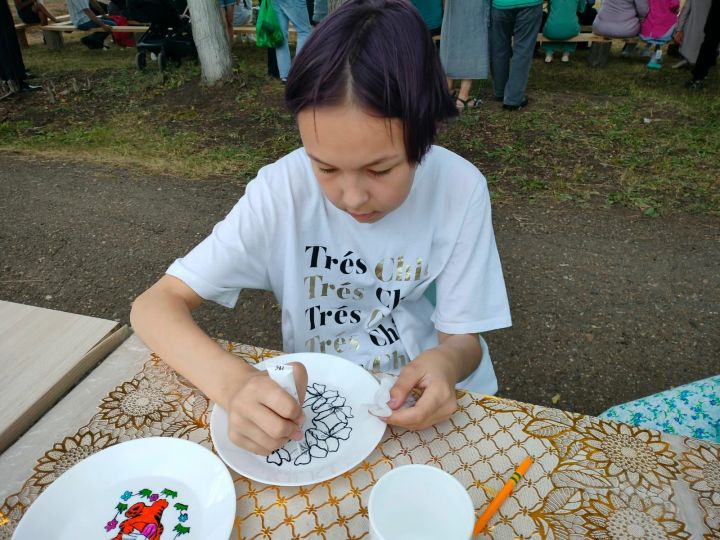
(208, 28)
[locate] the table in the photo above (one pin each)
(43, 352)
(590, 479)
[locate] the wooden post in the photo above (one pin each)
(599, 53)
(21, 35)
(53, 40)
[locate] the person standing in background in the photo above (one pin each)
(320, 10)
(464, 47)
(12, 68)
(514, 25)
(431, 12)
(707, 57)
(690, 30)
(227, 7)
(295, 11)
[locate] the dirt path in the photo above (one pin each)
(607, 306)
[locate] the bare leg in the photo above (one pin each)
(465, 86)
(229, 15)
(45, 12)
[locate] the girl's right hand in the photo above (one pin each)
(262, 417)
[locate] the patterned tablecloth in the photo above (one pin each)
(591, 478)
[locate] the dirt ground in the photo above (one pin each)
(607, 305)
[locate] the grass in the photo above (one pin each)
(614, 135)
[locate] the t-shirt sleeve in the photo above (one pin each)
(236, 254)
(471, 294)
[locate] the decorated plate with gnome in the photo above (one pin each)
(339, 430)
(157, 488)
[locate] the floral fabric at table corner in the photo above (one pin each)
(691, 410)
(591, 478)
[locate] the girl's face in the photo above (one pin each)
(359, 160)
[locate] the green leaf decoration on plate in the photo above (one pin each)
(179, 529)
(145, 493)
(180, 506)
(121, 507)
(169, 493)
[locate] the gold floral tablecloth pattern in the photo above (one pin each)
(590, 478)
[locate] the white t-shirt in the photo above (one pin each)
(357, 290)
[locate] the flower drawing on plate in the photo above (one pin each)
(67, 453)
(137, 403)
(330, 424)
(634, 455)
(144, 521)
(621, 517)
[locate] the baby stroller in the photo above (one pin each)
(169, 36)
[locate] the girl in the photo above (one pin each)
(352, 232)
(562, 23)
(658, 27)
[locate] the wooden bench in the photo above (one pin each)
(54, 39)
(21, 35)
(250, 30)
(599, 45)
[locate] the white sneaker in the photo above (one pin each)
(548, 58)
(565, 57)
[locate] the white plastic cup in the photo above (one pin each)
(420, 502)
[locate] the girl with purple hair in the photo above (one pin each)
(378, 245)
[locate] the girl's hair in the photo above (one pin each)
(379, 55)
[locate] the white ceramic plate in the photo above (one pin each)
(134, 488)
(339, 431)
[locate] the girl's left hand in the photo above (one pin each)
(432, 373)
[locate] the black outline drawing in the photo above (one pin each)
(330, 426)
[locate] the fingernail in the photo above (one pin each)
(392, 402)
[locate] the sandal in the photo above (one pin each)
(469, 103)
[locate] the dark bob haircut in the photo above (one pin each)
(379, 55)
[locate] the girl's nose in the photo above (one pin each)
(354, 195)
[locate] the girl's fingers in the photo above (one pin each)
(435, 405)
(248, 444)
(283, 404)
(275, 426)
(261, 439)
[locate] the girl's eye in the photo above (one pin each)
(326, 171)
(380, 173)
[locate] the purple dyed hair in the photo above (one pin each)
(378, 54)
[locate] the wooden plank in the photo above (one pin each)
(70, 28)
(586, 37)
(580, 38)
(43, 353)
(21, 34)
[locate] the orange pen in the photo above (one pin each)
(500, 497)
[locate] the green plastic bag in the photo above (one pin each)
(267, 30)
